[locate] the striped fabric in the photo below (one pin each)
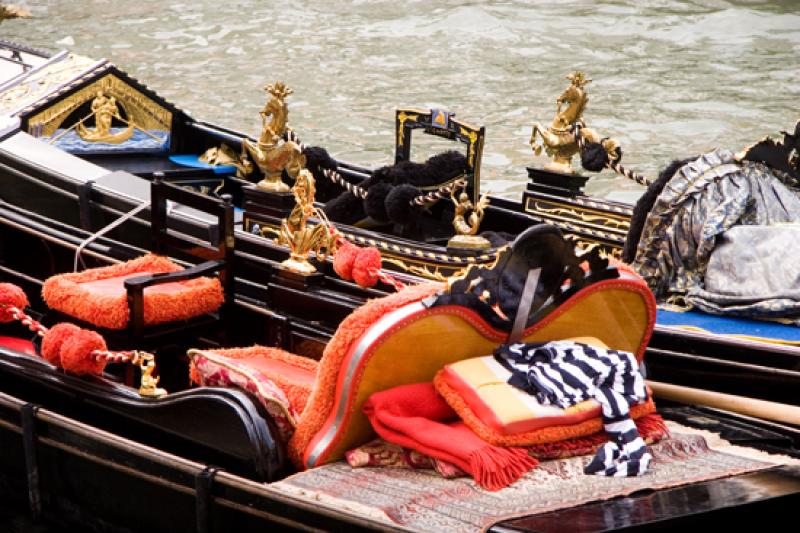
(565, 373)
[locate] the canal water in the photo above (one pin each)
(670, 79)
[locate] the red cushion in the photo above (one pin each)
(98, 295)
(116, 286)
(20, 345)
(293, 374)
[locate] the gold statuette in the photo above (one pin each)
(302, 238)
(558, 139)
(149, 383)
(467, 221)
(223, 155)
(271, 153)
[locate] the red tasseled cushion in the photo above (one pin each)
(98, 295)
(281, 381)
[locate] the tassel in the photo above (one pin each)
(366, 267)
(54, 339)
(343, 260)
(494, 468)
(11, 297)
(362, 265)
(77, 354)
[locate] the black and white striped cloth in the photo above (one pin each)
(565, 373)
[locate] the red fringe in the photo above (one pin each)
(494, 468)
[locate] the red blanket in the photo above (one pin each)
(415, 416)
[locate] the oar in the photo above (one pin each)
(57, 137)
(131, 123)
(779, 412)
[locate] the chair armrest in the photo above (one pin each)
(135, 288)
(145, 280)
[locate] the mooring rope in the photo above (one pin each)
(78, 251)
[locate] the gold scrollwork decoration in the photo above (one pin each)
(591, 219)
(401, 120)
(434, 274)
(473, 137)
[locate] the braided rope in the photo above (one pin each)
(41, 330)
(362, 193)
(628, 173)
(442, 192)
(31, 323)
(613, 159)
(338, 179)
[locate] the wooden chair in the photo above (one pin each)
(151, 300)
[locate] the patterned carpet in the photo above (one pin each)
(422, 500)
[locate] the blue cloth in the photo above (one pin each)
(729, 325)
(193, 161)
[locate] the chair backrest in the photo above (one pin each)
(220, 245)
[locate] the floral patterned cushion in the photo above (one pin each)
(214, 370)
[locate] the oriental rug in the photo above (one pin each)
(422, 500)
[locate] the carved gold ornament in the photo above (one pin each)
(302, 238)
(271, 153)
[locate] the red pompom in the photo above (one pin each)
(343, 260)
(76, 353)
(54, 340)
(13, 296)
(366, 267)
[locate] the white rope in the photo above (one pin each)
(338, 179)
(88, 240)
(438, 194)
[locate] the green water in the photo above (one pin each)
(671, 79)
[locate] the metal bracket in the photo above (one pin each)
(204, 497)
(28, 419)
(85, 204)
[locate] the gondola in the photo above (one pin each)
(79, 436)
(77, 191)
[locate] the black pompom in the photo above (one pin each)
(594, 157)
(397, 203)
(318, 158)
(345, 208)
(374, 205)
(437, 170)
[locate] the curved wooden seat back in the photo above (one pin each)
(411, 343)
